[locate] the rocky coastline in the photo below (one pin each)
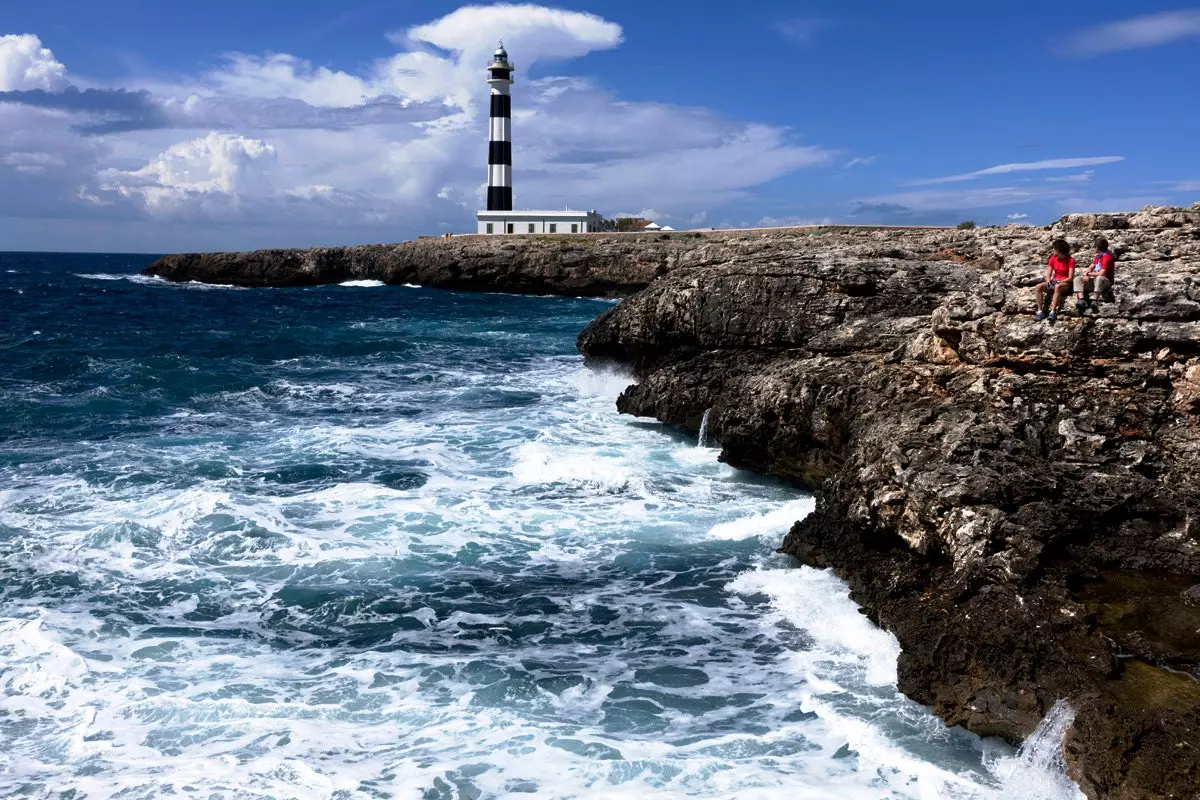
(588, 265)
(1016, 500)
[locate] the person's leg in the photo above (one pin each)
(1040, 292)
(1060, 292)
(1103, 288)
(1081, 287)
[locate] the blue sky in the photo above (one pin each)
(150, 127)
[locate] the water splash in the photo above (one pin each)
(1038, 771)
(703, 440)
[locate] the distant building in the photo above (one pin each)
(538, 222)
(499, 218)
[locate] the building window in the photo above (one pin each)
(531, 227)
(491, 228)
(574, 227)
(510, 227)
(553, 228)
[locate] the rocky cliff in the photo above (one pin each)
(590, 265)
(1018, 501)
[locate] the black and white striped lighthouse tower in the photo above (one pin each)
(500, 71)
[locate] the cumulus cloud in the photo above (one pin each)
(538, 32)
(25, 64)
(1028, 166)
(1150, 30)
(219, 165)
(281, 75)
(1017, 217)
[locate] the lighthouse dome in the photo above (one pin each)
(501, 54)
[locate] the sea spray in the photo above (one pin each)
(702, 441)
(1038, 770)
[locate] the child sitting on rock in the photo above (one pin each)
(1097, 281)
(1060, 273)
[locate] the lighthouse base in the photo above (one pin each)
(527, 222)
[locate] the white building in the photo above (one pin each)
(497, 222)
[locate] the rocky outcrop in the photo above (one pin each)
(593, 265)
(1018, 501)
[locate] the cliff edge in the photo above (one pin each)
(1016, 500)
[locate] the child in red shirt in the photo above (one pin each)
(1060, 274)
(1098, 280)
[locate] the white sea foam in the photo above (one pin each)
(562, 602)
(145, 280)
(363, 284)
(775, 522)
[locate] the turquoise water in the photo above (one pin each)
(365, 542)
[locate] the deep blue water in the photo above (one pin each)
(365, 542)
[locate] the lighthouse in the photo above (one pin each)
(499, 218)
(499, 195)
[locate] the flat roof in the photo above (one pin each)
(535, 213)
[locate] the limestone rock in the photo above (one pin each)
(1019, 502)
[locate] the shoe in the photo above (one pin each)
(1053, 316)
(1080, 307)
(1095, 307)
(1039, 316)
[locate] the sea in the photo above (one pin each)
(368, 541)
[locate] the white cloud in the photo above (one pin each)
(1186, 186)
(217, 164)
(1150, 30)
(952, 199)
(1017, 217)
(280, 75)
(535, 31)
(1081, 177)
(861, 161)
(25, 64)
(1028, 166)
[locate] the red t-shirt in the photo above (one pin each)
(1105, 264)
(1060, 267)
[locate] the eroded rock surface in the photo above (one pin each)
(588, 265)
(1017, 501)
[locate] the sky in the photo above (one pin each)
(139, 126)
